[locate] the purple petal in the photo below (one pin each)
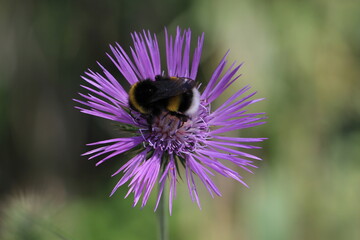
(202, 173)
(178, 54)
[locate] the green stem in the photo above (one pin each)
(163, 219)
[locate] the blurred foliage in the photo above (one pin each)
(302, 56)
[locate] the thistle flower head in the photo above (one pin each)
(167, 143)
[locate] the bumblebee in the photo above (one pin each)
(176, 95)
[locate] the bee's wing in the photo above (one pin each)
(173, 87)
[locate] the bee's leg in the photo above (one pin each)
(166, 115)
(183, 118)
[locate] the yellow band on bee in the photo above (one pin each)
(133, 101)
(174, 103)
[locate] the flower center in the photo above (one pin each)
(171, 134)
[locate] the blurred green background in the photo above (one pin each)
(302, 56)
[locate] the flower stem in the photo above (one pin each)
(163, 219)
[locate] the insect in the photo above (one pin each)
(176, 95)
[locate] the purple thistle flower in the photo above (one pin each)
(162, 146)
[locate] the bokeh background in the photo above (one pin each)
(302, 56)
